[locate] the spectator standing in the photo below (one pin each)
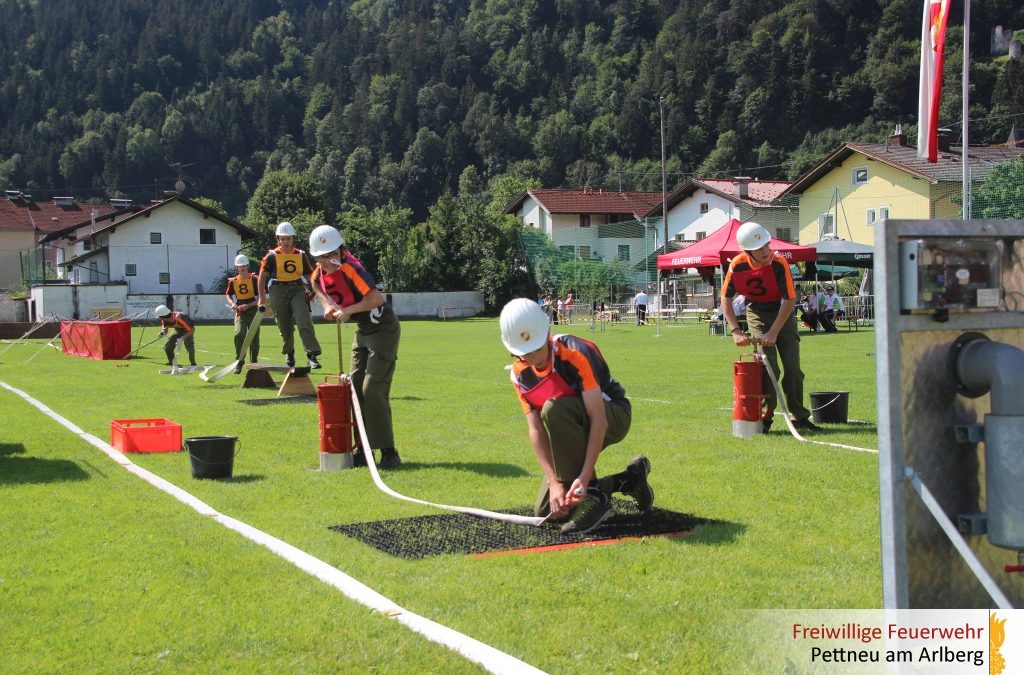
(568, 308)
(764, 277)
(640, 305)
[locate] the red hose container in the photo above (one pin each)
(747, 396)
(334, 405)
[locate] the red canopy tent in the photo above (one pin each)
(720, 247)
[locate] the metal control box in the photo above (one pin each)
(951, 273)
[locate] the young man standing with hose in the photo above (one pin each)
(241, 295)
(763, 276)
(285, 271)
(574, 409)
(347, 291)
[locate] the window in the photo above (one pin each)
(155, 238)
(624, 252)
(860, 175)
(207, 236)
(883, 212)
(165, 277)
(129, 269)
(584, 253)
(827, 223)
(584, 220)
(568, 250)
(700, 235)
(94, 272)
(872, 215)
(783, 233)
(703, 207)
(87, 244)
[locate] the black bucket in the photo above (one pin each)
(212, 456)
(830, 407)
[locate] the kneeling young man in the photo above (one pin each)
(574, 409)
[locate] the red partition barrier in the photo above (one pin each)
(97, 339)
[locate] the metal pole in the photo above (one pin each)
(966, 187)
(664, 198)
(664, 205)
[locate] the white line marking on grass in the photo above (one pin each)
(488, 657)
(650, 400)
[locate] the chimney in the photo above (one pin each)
(739, 187)
(898, 138)
(945, 139)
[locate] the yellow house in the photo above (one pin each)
(861, 184)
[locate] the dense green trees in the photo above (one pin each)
(383, 105)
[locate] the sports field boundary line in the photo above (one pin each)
(490, 658)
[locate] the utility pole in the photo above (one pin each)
(664, 180)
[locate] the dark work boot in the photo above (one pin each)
(389, 459)
(311, 361)
(289, 359)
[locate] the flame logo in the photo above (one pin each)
(524, 336)
(996, 637)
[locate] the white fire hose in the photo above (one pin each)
(372, 466)
(788, 417)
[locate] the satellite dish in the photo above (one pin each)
(179, 186)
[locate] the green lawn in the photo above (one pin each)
(100, 571)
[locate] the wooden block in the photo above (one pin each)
(258, 378)
(296, 384)
(269, 368)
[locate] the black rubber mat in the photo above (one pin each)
(461, 534)
(286, 400)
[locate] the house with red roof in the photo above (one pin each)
(858, 185)
(169, 246)
(701, 206)
(574, 220)
(25, 221)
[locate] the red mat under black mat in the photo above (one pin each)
(457, 533)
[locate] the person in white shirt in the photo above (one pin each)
(640, 303)
(830, 307)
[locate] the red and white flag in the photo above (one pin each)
(933, 41)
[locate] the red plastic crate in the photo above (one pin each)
(148, 435)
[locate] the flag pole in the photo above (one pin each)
(966, 89)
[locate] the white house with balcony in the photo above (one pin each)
(577, 222)
(702, 205)
(174, 245)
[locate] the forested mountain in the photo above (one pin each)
(387, 101)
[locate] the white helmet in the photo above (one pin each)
(162, 311)
(524, 326)
(285, 229)
(324, 239)
(241, 260)
(751, 236)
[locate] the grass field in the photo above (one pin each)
(101, 572)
